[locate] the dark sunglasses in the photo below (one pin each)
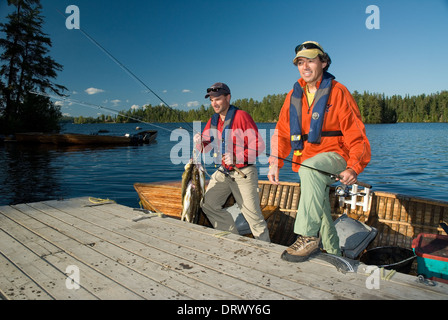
(301, 47)
(214, 89)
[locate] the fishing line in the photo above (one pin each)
(135, 77)
(122, 66)
(87, 104)
(91, 105)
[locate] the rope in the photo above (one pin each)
(100, 201)
(222, 234)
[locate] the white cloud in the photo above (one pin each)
(186, 91)
(192, 104)
(135, 107)
(115, 102)
(63, 103)
(93, 91)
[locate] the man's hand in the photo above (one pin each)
(197, 139)
(348, 177)
(228, 159)
(273, 174)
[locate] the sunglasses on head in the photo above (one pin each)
(214, 89)
(304, 46)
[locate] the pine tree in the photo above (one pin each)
(25, 67)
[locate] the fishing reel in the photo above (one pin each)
(353, 196)
(342, 190)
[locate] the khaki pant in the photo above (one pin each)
(246, 196)
(314, 213)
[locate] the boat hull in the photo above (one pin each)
(85, 139)
(398, 218)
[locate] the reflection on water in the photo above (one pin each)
(30, 173)
(40, 172)
(406, 158)
(409, 158)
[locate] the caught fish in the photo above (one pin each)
(186, 177)
(193, 190)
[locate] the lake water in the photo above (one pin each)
(407, 158)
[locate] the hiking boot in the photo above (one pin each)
(302, 249)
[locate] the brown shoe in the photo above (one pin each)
(302, 249)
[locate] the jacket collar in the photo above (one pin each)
(303, 83)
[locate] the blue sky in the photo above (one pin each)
(179, 48)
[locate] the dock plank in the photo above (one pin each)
(100, 273)
(174, 253)
(36, 248)
(342, 286)
(167, 254)
(111, 244)
(195, 248)
(105, 287)
(36, 269)
(162, 258)
(16, 284)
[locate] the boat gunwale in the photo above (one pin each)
(396, 217)
(69, 138)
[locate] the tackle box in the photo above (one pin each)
(432, 256)
(354, 236)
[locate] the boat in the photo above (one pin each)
(147, 136)
(397, 218)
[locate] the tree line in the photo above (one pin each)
(375, 108)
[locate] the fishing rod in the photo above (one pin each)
(135, 77)
(121, 65)
(331, 175)
(87, 104)
(95, 106)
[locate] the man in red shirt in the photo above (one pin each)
(321, 123)
(233, 137)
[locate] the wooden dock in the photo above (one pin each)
(79, 249)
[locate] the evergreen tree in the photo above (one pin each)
(375, 108)
(27, 67)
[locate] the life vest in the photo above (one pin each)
(317, 120)
(225, 132)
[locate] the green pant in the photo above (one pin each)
(314, 213)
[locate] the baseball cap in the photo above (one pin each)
(308, 49)
(217, 89)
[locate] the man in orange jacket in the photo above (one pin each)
(321, 123)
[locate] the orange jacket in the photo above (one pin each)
(342, 115)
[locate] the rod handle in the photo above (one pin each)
(240, 172)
